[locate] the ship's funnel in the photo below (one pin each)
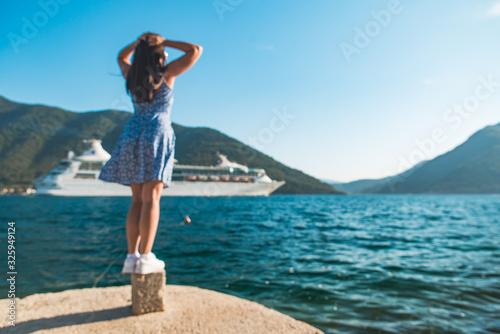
(95, 152)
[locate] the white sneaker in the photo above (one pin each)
(129, 266)
(148, 263)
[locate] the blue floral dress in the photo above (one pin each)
(145, 150)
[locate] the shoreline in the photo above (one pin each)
(189, 309)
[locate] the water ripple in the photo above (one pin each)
(345, 264)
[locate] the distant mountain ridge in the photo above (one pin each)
(372, 185)
(471, 168)
(34, 138)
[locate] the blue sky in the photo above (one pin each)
(341, 90)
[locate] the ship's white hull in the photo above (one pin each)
(177, 188)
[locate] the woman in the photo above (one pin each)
(144, 154)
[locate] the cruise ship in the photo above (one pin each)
(78, 176)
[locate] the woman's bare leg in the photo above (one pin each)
(150, 214)
(133, 218)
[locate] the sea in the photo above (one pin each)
(342, 263)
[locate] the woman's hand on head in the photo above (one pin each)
(155, 39)
(151, 38)
(143, 37)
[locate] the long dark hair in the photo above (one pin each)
(145, 75)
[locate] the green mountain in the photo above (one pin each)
(33, 138)
(471, 168)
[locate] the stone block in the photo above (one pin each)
(148, 292)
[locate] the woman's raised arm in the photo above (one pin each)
(182, 64)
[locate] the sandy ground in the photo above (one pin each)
(108, 310)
